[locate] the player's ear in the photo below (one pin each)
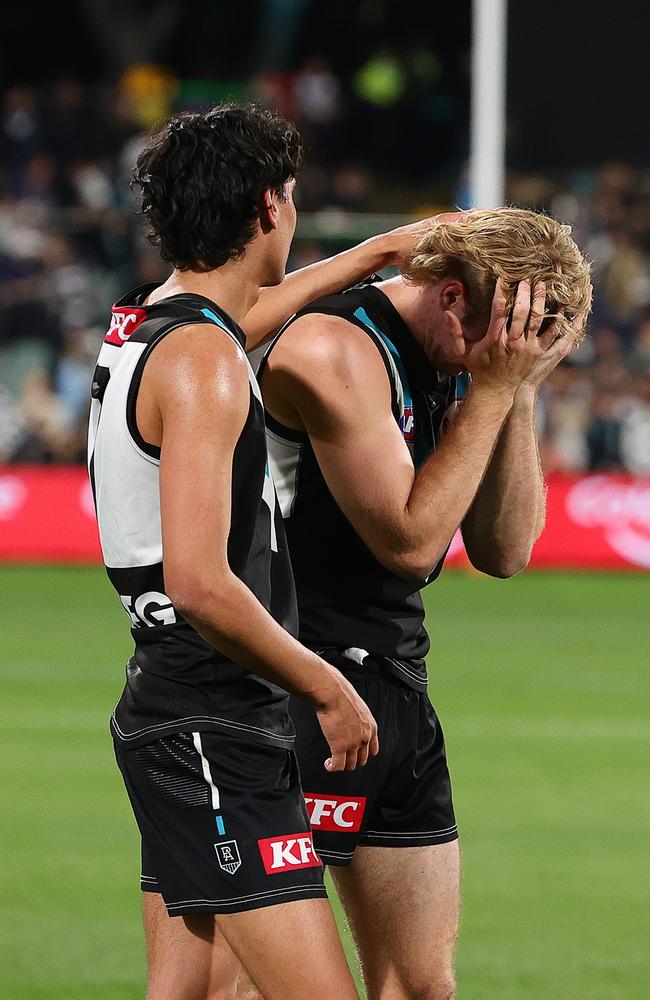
(269, 210)
(452, 296)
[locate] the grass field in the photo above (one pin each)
(540, 688)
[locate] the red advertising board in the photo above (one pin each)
(593, 522)
(47, 515)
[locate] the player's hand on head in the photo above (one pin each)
(512, 351)
(556, 345)
(349, 728)
(404, 239)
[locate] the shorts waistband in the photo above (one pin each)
(360, 662)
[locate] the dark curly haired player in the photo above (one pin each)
(194, 544)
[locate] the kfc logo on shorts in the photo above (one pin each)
(123, 324)
(281, 854)
(329, 812)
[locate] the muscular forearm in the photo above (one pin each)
(299, 288)
(232, 620)
(507, 514)
(446, 484)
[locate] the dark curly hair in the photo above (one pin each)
(202, 177)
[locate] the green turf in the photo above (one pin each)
(539, 682)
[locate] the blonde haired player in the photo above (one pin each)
(373, 483)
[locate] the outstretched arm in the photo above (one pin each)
(277, 303)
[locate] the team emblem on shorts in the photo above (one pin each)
(228, 856)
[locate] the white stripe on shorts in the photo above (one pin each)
(206, 771)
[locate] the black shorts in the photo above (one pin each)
(223, 822)
(402, 797)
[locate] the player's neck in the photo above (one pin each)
(235, 287)
(407, 299)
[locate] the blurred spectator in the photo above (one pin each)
(635, 429)
(21, 135)
(639, 356)
(11, 428)
(74, 371)
(563, 418)
(604, 433)
(317, 92)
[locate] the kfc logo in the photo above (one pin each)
(329, 812)
(281, 854)
(123, 324)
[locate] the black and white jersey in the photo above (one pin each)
(346, 599)
(176, 680)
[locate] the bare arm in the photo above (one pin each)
(508, 511)
(326, 377)
(507, 514)
(276, 304)
(199, 384)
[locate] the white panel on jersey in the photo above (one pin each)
(126, 479)
(284, 459)
(269, 496)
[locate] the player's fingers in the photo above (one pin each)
(373, 746)
(454, 329)
(549, 336)
(362, 757)
(351, 760)
(499, 308)
(536, 310)
(444, 218)
(336, 762)
(579, 323)
(520, 312)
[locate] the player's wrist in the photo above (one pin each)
(380, 251)
(525, 399)
(496, 393)
(325, 687)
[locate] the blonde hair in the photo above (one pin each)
(512, 244)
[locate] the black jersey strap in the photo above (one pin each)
(364, 323)
(278, 428)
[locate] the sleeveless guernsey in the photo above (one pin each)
(175, 680)
(347, 600)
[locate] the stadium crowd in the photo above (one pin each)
(71, 242)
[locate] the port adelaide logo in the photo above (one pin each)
(228, 856)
